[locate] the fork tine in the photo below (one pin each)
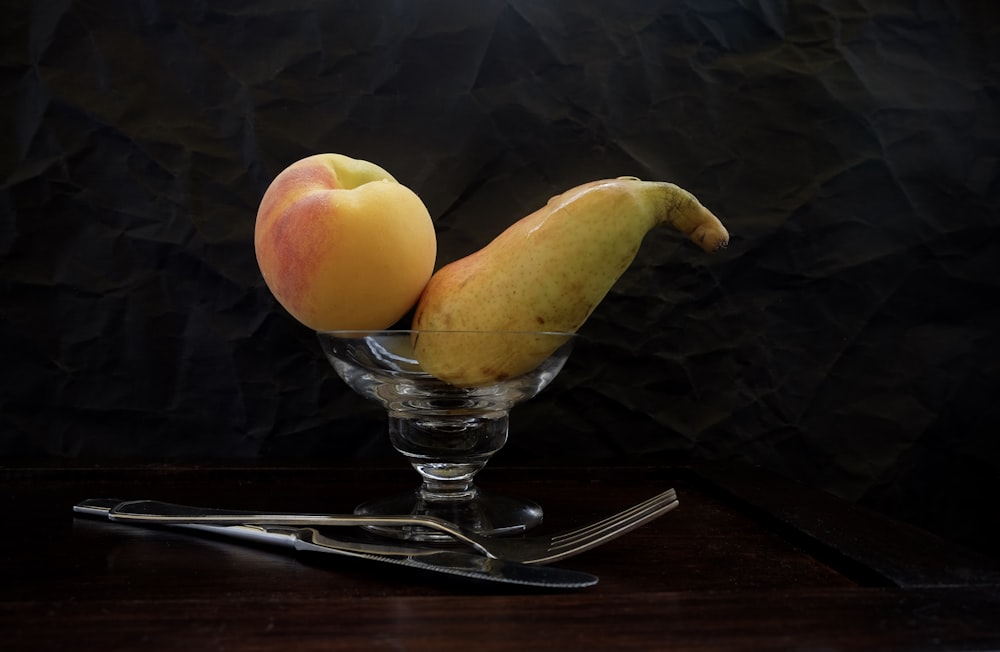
(562, 550)
(634, 520)
(638, 520)
(621, 526)
(611, 521)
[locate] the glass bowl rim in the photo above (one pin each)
(362, 333)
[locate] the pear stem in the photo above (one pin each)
(682, 210)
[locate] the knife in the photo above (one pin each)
(309, 539)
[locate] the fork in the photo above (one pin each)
(526, 550)
(438, 560)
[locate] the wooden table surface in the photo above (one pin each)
(747, 562)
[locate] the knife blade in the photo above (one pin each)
(308, 539)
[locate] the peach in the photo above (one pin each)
(342, 245)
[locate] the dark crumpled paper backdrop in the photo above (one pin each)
(848, 337)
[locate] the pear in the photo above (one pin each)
(546, 272)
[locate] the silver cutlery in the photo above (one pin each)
(438, 560)
(525, 550)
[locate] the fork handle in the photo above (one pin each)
(271, 536)
(154, 511)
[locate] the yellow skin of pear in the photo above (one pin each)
(546, 272)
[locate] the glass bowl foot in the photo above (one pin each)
(485, 514)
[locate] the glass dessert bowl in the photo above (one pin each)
(447, 431)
